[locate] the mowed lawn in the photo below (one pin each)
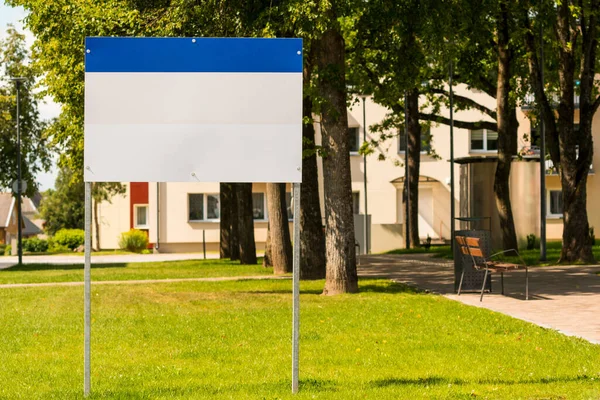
(232, 340)
(41, 273)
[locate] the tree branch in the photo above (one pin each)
(470, 103)
(492, 126)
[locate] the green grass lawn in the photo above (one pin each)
(232, 340)
(531, 257)
(38, 273)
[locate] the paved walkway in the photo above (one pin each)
(565, 298)
(6, 262)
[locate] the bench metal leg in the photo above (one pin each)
(526, 284)
(502, 281)
(483, 286)
(462, 275)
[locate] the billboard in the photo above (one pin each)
(193, 109)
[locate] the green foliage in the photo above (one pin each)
(8, 250)
(35, 245)
(2, 249)
(531, 239)
(63, 207)
(69, 238)
(592, 236)
(135, 241)
(35, 151)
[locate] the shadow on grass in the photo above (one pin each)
(438, 380)
(57, 267)
(390, 288)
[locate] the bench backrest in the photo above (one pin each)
(470, 246)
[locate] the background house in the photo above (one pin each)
(30, 225)
(179, 216)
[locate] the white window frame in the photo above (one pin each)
(266, 218)
(135, 215)
(291, 204)
(204, 208)
(549, 213)
(485, 143)
(358, 142)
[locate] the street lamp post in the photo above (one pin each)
(18, 81)
(406, 175)
(366, 227)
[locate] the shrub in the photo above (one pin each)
(70, 238)
(135, 241)
(592, 237)
(531, 241)
(35, 245)
(8, 250)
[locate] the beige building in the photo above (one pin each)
(180, 217)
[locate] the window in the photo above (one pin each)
(212, 206)
(356, 202)
(258, 206)
(556, 203)
(141, 216)
(484, 140)
(354, 139)
(203, 207)
(195, 207)
(426, 139)
(289, 205)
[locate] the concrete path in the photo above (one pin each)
(565, 298)
(145, 281)
(6, 262)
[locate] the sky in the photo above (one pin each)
(48, 109)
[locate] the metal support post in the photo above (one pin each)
(542, 161)
(406, 176)
(366, 227)
(296, 290)
(452, 198)
(18, 82)
(87, 291)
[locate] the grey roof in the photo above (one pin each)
(6, 200)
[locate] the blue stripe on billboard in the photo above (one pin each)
(115, 54)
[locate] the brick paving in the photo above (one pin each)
(565, 298)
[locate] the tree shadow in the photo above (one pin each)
(58, 267)
(439, 380)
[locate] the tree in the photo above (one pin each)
(279, 229)
(571, 30)
(63, 207)
(245, 224)
(330, 50)
(225, 220)
(35, 149)
(312, 237)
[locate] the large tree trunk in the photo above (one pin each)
(562, 142)
(414, 165)
(340, 252)
(246, 224)
(225, 220)
(312, 237)
(267, 262)
(281, 246)
(234, 237)
(507, 132)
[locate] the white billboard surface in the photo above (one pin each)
(184, 109)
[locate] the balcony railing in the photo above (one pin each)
(550, 170)
(530, 103)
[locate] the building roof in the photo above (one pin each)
(7, 207)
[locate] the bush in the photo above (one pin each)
(35, 245)
(135, 241)
(8, 250)
(531, 241)
(592, 237)
(69, 238)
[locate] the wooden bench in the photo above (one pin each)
(471, 246)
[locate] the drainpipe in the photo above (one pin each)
(157, 244)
